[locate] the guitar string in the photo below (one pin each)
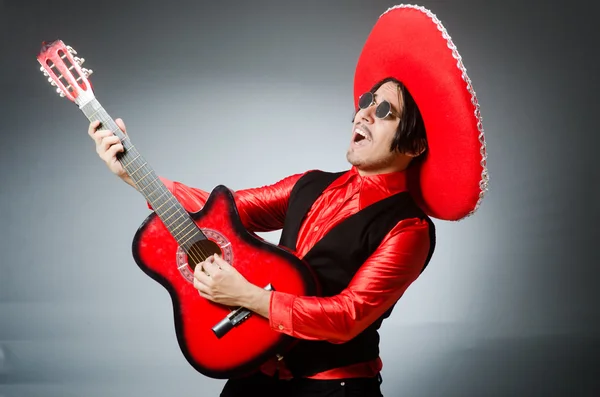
(193, 251)
(196, 253)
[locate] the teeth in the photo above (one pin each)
(358, 131)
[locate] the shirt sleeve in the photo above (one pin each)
(375, 287)
(261, 209)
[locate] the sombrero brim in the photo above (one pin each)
(410, 44)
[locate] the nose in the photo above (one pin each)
(366, 115)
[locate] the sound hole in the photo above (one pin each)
(202, 250)
(216, 244)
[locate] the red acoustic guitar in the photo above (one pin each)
(218, 341)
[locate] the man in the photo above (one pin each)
(416, 151)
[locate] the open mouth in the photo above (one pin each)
(360, 137)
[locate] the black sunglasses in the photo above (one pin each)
(383, 110)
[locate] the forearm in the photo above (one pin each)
(373, 290)
(257, 300)
(335, 319)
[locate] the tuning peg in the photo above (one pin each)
(43, 70)
(52, 82)
(79, 60)
(71, 50)
(87, 72)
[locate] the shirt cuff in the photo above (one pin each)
(168, 184)
(280, 312)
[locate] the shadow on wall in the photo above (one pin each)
(545, 366)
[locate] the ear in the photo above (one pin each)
(422, 148)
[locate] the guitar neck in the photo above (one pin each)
(165, 205)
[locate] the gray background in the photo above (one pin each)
(246, 93)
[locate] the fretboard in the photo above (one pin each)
(165, 205)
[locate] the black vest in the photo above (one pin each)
(336, 258)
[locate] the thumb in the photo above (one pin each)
(121, 125)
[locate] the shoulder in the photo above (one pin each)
(414, 223)
(412, 238)
(414, 211)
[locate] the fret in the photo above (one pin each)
(165, 191)
(131, 161)
(169, 217)
(159, 208)
(184, 243)
(169, 211)
(132, 173)
(164, 204)
(174, 229)
(142, 178)
(179, 236)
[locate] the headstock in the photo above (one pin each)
(64, 71)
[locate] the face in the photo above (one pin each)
(372, 137)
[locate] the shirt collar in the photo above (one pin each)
(372, 188)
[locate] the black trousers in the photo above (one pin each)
(266, 386)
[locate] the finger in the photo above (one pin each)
(113, 150)
(222, 263)
(199, 268)
(101, 134)
(106, 145)
(201, 287)
(93, 127)
(202, 277)
(108, 141)
(211, 268)
(209, 260)
(121, 125)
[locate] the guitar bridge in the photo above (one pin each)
(234, 318)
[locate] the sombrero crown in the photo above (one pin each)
(410, 44)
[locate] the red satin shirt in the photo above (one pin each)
(376, 286)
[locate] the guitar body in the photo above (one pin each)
(250, 343)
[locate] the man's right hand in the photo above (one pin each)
(107, 147)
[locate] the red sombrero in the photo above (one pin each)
(410, 44)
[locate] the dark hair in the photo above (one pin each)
(410, 136)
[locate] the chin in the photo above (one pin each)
(354, 162)
(351, 157)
